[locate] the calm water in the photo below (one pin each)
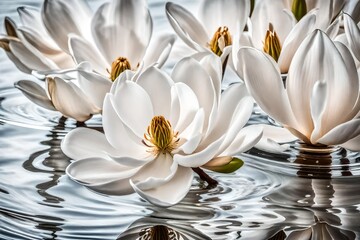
(272, 196)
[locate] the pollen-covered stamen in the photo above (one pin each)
(220, 40)
(118, 66)
(160, 136)
(272, 44)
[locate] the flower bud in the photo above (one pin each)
(299, 8)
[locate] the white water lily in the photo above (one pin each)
(320, 104)
(275, 30)
(219, 22)
(116, 38)
(158, 128)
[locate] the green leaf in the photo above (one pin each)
(299, 8)
(232, 166)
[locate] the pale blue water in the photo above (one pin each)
(272, 195)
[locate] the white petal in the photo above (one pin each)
(119, 135)
(315, 60)
(158, 85)
(342, 133)
(63, 17)
(180, 179)
(188, 28)
(219, 13)
(122, 29)
(274, 102)
(159, 50)
(35, 93)
(244, 140)
(352, 32)
(82, 50)
(184, 107)
(352, 144)
(22, 67)
(86, 143)
(304, 27)
(333, 30)
(190, 72)
(70, 100)
(134, 107)
(102, 175)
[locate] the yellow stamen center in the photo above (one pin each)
(220, 40)
(160, 136)
(118, 66)
(272, 44)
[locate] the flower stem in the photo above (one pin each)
(203, 176)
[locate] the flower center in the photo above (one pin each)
(299, 8)
(160, 136)
(118, 66)
(272, 44)
(220, 40)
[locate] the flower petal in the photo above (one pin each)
(352, 32)
(35, 93)
(188, 28)
(274, 102)
(230, 13)
(130, 96)
(63, 17)
(122, 29)
(70, 100)
(102, 175)
(180, 179)
(86, 143)
(352, 144)
(342, 133)
(158, 85)
(159, 50)
(82, 50)
(292, 42)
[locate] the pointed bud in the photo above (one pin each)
(220, 40)
(299, 8)
(272, 44)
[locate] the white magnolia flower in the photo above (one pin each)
(220, 20)
(275, 29)
(158, 128)
(114, 39)
(320, 104)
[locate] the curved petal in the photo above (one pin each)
(158, 85)
(102, 175)
(352, 33)
(130, 96)
(292, 42)
(86, 143)
(244, 140)
(315, 60)
(159, 50)
(188, 28)
(122, 29)
(352, 144)
(70, 100)
(156, 191)
(66, 16)
(81, 50)
(119, 135)
(341, 133)
(190, 72)
(274, 102)
(35, 93)
(230, 13)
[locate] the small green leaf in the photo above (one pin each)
(232, 166)
(299, 9)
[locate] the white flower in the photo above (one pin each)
(158, 128)
(275, 30)
(220, 21)
(320, 104)
(114, 39)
